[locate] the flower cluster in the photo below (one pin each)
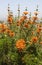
(21, 40)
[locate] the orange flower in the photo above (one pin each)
(8, 31)
(3, 27)
(35, 18)
(3, 30)
(18, 23)
(20, 44)
(25, 12)
(25, 17)
(39, 30)
(34, 39)
(10, 19)
(36, 13)
(30, 22)
(22, 19)
(0, 25)
(39, 25)
(26, 25)
(11, 34)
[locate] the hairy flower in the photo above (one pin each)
(36, 13)
(20, 44)
(10, 19)
(25, 12)
(26, 25)
(35, 18)
(34, 39)
(11, 34)
(39, 29)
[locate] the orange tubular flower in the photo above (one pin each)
(11, 34)
(22, 19)
(30, 22)
(25, 12)
(8, 31)
(10, 19)
(3, 30)
(18, 23)
(36, 13)
(25, 17)
(39, 30)
(26, 25)
(20, 44)
(35, 18)
(0, 25)
(3, 27)
(34, 39)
